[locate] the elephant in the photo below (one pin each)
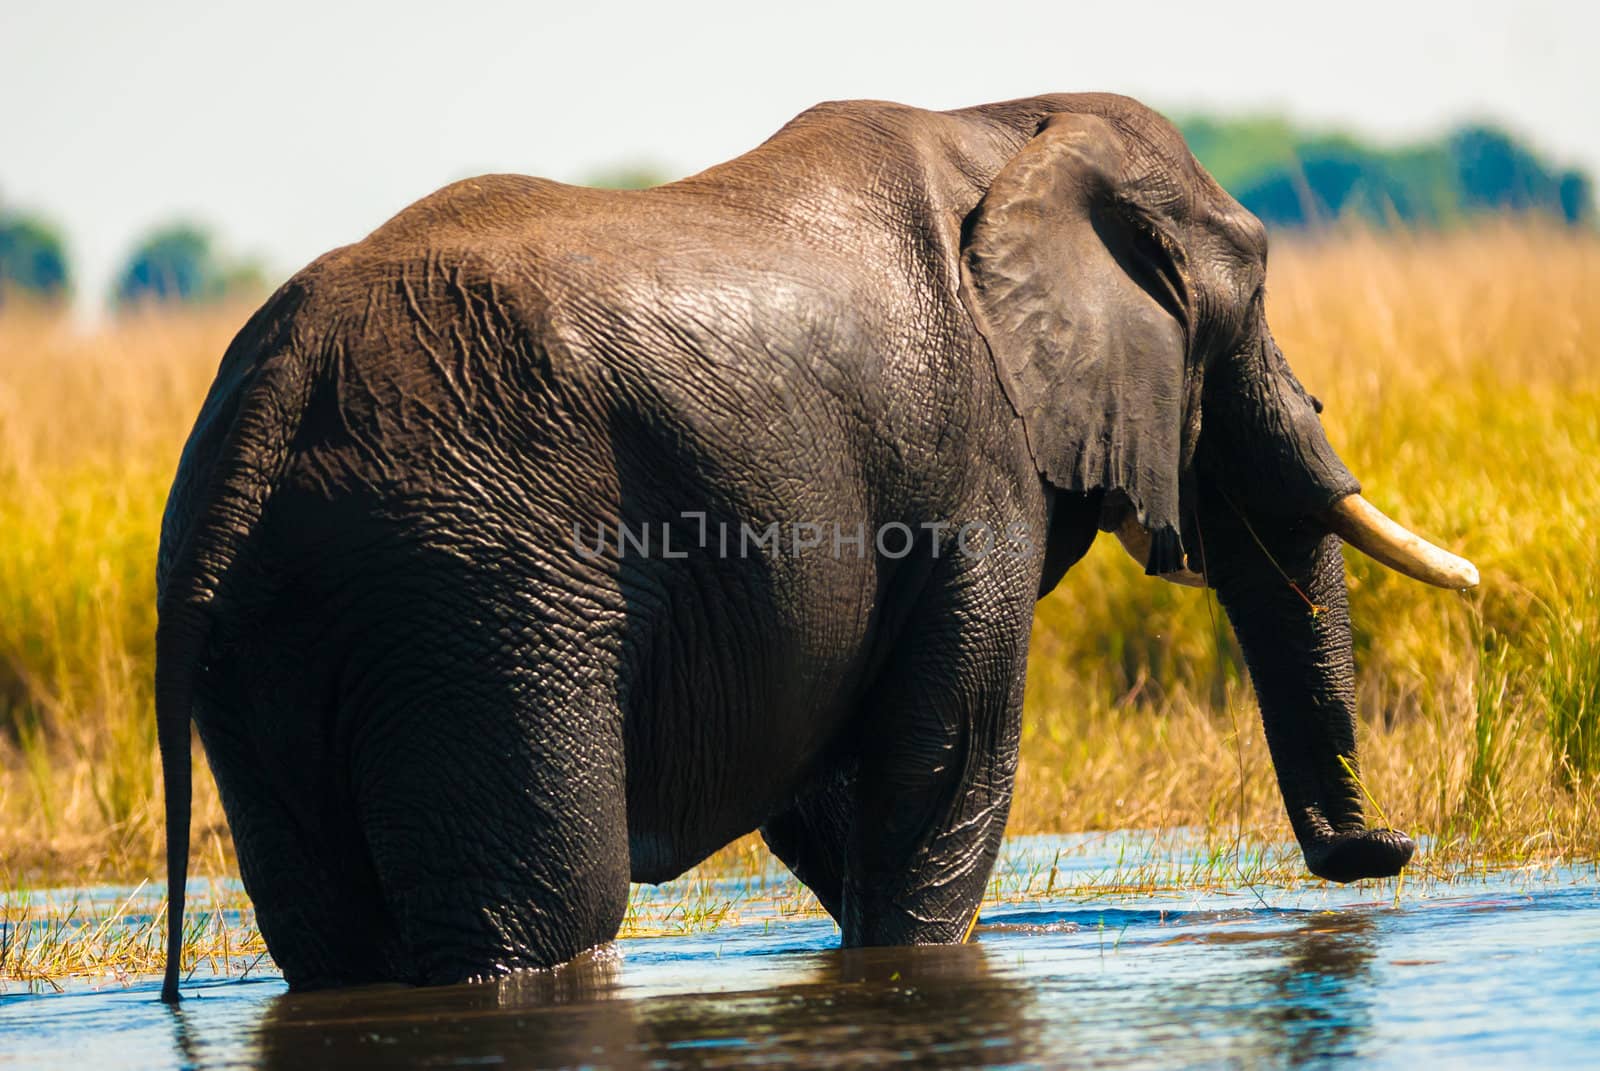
(551, 538)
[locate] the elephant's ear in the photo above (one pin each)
(1082, 305)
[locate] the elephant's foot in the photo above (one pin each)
(1371, 853)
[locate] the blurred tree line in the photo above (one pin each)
(1292, 178)
(1286, 175)
(177, 263)
(33, 259)
(182, 263)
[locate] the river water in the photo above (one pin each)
(1490, 970)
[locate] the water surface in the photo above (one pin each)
(1485, 971)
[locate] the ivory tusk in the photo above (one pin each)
(1136, 541)
(1362, 525)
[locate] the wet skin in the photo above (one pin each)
(447, 734)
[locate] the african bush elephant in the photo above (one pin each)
(550, 537)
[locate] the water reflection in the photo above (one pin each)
(1280, 988)
(561, 1017)
(1322, 996)
(1284, 988)
(941, 1007)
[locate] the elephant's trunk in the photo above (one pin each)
(1296, 641)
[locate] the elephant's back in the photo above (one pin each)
(512, 371)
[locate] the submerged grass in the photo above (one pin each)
(1461, 374)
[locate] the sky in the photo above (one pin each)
(294, 126)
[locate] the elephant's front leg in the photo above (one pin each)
(937, 764)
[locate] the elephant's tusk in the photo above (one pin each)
(1136, 541)
(1362, 525)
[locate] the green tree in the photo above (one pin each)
(1496, 172)
(33, 260)
(1294, 178)
(181, 263)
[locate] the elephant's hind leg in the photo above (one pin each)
(933, 786)
(493, 805)
(303, 861)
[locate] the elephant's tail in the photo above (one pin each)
(234, 490)
(180, 638)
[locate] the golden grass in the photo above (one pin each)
(90, 428)
(1461, 374)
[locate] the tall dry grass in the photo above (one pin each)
(1461, 374)
(90, 427)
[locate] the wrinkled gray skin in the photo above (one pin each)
(446, 739)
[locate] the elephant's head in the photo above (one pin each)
(1120, 291)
